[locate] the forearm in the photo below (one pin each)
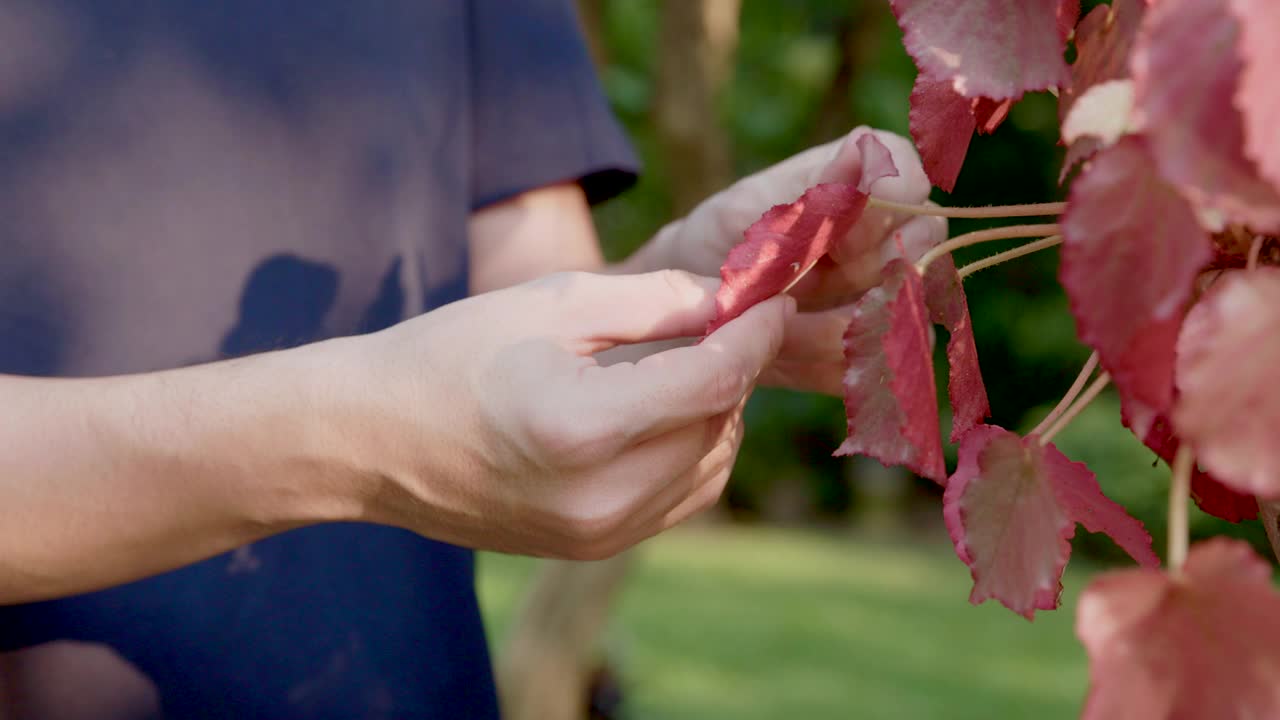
(111, 479)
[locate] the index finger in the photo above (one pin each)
(675, 388)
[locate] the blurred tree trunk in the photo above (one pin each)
(832, 119)
(545, 669)
(699, 39)
(591, 15)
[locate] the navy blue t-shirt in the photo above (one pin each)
(187, 180)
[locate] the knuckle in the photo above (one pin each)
(567, 439)
(592, 534)
(728, 386)
(680, 284)
(710, 494)
(564, 282)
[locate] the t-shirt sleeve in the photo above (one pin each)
(539, 116)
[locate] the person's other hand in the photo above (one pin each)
(487, 423)
(812, 355)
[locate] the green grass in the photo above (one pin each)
(757, 623)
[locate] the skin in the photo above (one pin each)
(488, 423)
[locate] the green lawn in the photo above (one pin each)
(758, 623)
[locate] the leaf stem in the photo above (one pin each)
(1179, 497)
(1008, 255)
(1071, 413)
(1089, 366)
(990, 211)
(981, 236)
(1255, 249)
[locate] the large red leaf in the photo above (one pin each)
(1186, 71)
(889, 395)
(988, 48)
(1258, 95)
(788, 239)
(1012, 507)
(1130, 255)
(1205, 646)
(1228, 370)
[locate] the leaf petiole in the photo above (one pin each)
(1008, 255)
(1085, 372)
(1179, 497)
(1255, 249)
(1071, 413)
(981, 236)
(990, 211)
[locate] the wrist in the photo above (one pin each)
(255, 430)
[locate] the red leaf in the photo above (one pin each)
(788, 239)
(942, 123)
(1185, 72)
(1130, 255)
(1209, 493)
(1220, 501)
(1228, 369)
(1011, 508)
(1205, 646)
(889, 394)
(987, 48)
(990, 113)
(1068, 15)
(948, 306)
(1103, 40)
(1258, 95)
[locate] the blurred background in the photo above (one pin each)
(823, 587)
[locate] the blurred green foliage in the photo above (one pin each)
(785, 95)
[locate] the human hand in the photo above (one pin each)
(811, 357)
(488, 424)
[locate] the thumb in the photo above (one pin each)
(597, 312)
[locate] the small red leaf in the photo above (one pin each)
(948, 306)
(942, 124)
(1011, 508)
(1205, 646)
(1228, 367)
(788, 239)
(1130, 255)
(1103, 41)
(988, 48)
(990, 113)
(1186, 72)
(889, 391)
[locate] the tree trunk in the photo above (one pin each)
(695, 58)
(591, 16)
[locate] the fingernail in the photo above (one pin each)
(791, 306)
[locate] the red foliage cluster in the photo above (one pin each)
(1173, 113)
